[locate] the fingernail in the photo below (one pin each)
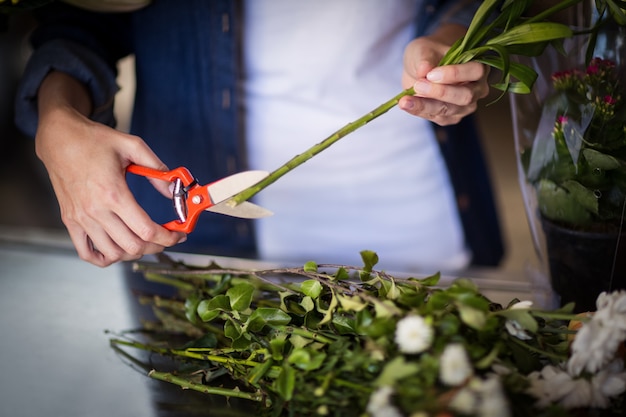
(434, 75)
(422, 87)
(182, 239)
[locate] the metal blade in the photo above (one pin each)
(245, 210)
(225, 188)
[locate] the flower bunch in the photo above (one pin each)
(578, 169)
(353, 341)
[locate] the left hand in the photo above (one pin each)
(443, 94)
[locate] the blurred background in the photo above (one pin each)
(29, 212)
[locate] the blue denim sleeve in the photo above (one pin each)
(79, 62)
(83, 44)
(439, 12)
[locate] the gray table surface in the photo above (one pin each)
(55, 358)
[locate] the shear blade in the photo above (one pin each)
(225, 188)
(245, 210)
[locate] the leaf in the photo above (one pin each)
(240, 296)
(307, 304)
(556, 203)
(191, 308)
(210, 309)
(583, 195)
(259, 371)
(312, 288)
(471, 316)
(354, 303)
(370, 259)
(266, 316)
(232, 330)
(307, 360)
(285, 382)
(395, 370)
(331, 309)
(531, 33)
(310, 266)
(523, 317)
(600, 160)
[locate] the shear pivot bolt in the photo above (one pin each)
(196, 199)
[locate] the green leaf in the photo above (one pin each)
(210, 309)
(191, 308)
(531, 33)
(583, 195)
(240, 296)
(266, 316)
(370, 259)
(523, 317)
(307, 304)
(259, 371)
(600, 160)
(354, 303)
(310, 266)
(307, 360)
(331, 309)
(471, 316)
(285, 382)
(232, 330)
(556, 203)
(396, 370)
(312, 288)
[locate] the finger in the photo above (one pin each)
(455, 74)
(143, 229)
(87, 250)
(436, 111)
(460, 95)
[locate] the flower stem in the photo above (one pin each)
(315, 149)
(205, 389)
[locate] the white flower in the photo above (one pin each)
(413, 334)
(550, 385)
(387, 411)
(379, 399)
(594, 346)
(379, 404)
(608, 383)
(465, 401)
(521, 305)
(455, 366)
(516, 330)
(483, 398)
(494, 403)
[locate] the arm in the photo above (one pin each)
(66, 101)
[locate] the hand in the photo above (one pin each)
(443, 94)
(86, 162)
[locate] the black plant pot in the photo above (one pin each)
(584, 264)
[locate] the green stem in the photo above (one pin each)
(205, 389)
(536, 350)
(315, 149)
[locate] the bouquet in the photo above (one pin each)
(347, 341)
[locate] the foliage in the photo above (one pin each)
(348, 341)
(578, 168)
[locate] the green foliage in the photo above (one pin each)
(301, 341)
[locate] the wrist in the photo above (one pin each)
(60, 91)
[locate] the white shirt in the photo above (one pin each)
(311, 68)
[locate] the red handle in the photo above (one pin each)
(198, 196)
(171, 175)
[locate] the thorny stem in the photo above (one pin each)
(315, 149)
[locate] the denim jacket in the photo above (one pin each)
(195, 121)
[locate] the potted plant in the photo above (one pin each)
(572, 140)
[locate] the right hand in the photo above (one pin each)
(86, 162)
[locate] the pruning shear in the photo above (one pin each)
(190, 198)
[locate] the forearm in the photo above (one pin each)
(61, 91)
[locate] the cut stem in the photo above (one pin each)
(315, 149)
